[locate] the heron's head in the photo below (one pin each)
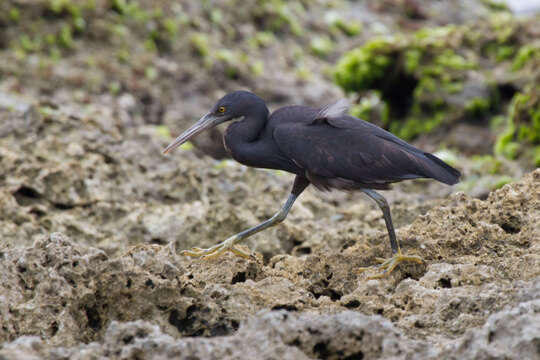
(233, 105)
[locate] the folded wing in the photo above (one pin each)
(346, 152)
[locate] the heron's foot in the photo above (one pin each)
(217, 250)
(387, 266)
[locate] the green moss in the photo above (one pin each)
(425, 85)
(453, 87)
(451, 60)
(186, 146)
(150, 45)
(55, 54)
(303, 73)
(414, 126)
(171, 25)
(361, 68)
(201, 44)
(523, 125)
(30, 45)
(496, 5)
(128, 8)
(524, 55)
(65, 37)
(434, 37)
(231, 61)
(216, 16)
(505, 145)
(123, 55)
(504, 52)
(256, 67)
(431, 69)
(350, 28)
(412, 60)
(372, 108)
(119, 30)
(151, 73)
(163, 131)
(115, 87)
(503, 26)
(321, 46)
(502, 180)
(57, 6)
(536, 156)
(496, 123)
(477, 107)
(486, 164)
(262, 39)
(279, 15)
(14, 14)
(338, 24)
(79, 24)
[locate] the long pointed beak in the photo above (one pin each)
(206, 122)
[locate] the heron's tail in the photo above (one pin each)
(441, 171)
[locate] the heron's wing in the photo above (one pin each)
(430, 165)
(333, 111)
(351, 122)
(358, 152)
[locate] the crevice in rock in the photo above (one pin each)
(321, 349)
(445, 283)
(26, 195)
(94, 320)
(184, 324)
(352, 304)
(285, 307)
(510, 228)
(356, 356)
(63, 206)
(239, 277)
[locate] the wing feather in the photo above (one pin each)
(350, 149)
(333, 111)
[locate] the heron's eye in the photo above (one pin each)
(221, 109)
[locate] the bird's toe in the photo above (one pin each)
(387, 266)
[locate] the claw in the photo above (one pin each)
(387, 266)
(380, 260)
(217, 250)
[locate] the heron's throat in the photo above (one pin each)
(240, 134)
(249, 127)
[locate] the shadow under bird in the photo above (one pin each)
(324, 147)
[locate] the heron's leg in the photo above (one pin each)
(228, 245)
(387, 266)
(383, 205)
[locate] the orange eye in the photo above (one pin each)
(221, 109)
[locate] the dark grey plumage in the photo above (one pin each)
(340, 151)
(324, 147)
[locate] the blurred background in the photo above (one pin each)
(91, 91)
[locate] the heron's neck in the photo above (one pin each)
(249, 128)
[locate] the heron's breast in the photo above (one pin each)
(232, 148)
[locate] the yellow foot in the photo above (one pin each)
(387, 266)
(217, 250)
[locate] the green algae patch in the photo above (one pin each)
(525, 55)
(521, 134)
(437, 77)
(321, 46)
(365, 67)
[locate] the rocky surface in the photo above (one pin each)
(512, 333)
(481, 256)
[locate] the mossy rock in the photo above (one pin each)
(521, 135)
(437, 77)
